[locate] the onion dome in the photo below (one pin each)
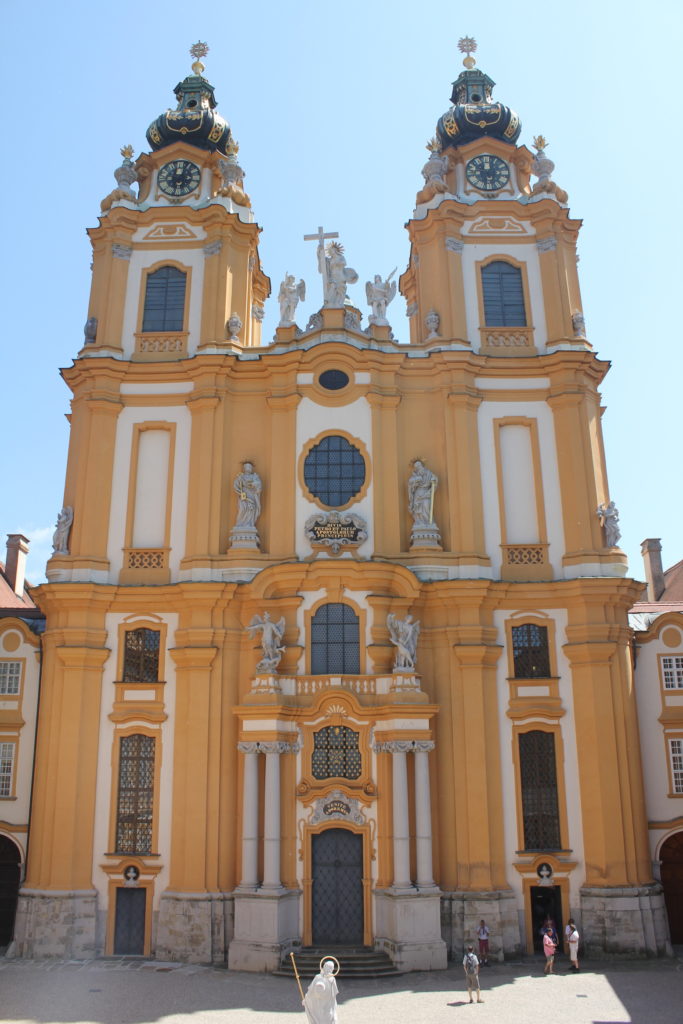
(473, 114)
(195, 119)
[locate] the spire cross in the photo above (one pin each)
(321, 236)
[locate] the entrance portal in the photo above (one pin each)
(337, 856)
(129, 933)
(10, 875)
(546, 901)
(671, 857)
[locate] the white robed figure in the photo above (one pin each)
(320, 1001)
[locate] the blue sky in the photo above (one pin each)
(332, 106)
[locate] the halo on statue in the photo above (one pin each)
(334, 973)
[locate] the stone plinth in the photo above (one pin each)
(624, 921)
(461, 913)
(288, 333)
(194, 927)
(425, 536)
(266, 925)
(56, 924)
(408, 928)
(244, 538)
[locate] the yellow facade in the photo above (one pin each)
(507, 416)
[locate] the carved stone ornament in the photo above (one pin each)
(213, 248)
(351, 320)
(454, 244)
(432, 324)
(60, 538)
(90, 330)
(404, 747)
(336, 530)
(274, 747)
(337, 805)
(411, 309)
(121, 252)
(233, 327)
(126, 175)
(608, 515)
(548, 244)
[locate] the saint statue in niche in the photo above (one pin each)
(247, 486)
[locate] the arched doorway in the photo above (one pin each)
(10, 877)
(671, 858)
(337, 857)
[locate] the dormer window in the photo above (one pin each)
(164, 301)
(503, 292)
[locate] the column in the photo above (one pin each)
(271, 823)
(250, 803)
(423, 815)
(400, 807)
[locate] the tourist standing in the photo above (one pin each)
(470, 964)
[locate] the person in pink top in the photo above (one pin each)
(549, 947)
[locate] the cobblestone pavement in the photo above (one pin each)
(131, 991)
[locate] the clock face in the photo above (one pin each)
(487, 172)
(178, 178)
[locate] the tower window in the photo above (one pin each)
(540, 809)
(141, 656)
(336, 753)
(530, 651)
(164, 300)
(676, 756)
(7, 751)
(136, 794)
(10, 677)
(335, 640)
(334, 470)
(503, 295)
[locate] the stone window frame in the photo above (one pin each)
(8, 762)
(675, 671)
(6, 676)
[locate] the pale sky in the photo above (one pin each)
(332, 106)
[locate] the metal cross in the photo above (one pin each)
(321, 236)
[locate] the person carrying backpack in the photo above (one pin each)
(470, 964)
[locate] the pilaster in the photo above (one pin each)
(387, 500)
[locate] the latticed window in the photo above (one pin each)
(141, 656)
(10, 676)
(6, 768)
(676, 754)
(136, 794)
(335, 640)
(540, 807)
(336, 753)
(334, 471)
(164, 300)
(503, 295)
(672, 670)
(530, 651)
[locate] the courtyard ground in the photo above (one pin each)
(122, 991)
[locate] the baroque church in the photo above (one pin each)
(336, 647)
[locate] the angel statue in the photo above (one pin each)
(60, 538)
(609, 518)
(380, 293)
(403, 634)
(289, 296)
(271, 637)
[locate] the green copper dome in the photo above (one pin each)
(195, 120)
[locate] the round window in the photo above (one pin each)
(333, 380)
(334, 471)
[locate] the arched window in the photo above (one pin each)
(503, 295)
(164, 300)
(540, 808)
(336, 753)
(530, 652)
(335, 641)
(141, 656)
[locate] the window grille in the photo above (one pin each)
(136, 794)
(336, 753)
(141, 656)
(335, 641)
(540, 809)
(6, 768)
(503, 293)
(164, 300)
(10, 677)
(530, 651)
(676, 754)
(672, 670)
(334, 471)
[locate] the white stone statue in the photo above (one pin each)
(247, 485)
(289, 296)
(60, 538)
(379, 294)
(233, 327)
(403, 634)
(320, 1001)
(336, 274)
(422, 486)
(271, 637)
(609, 518)
(432, 323)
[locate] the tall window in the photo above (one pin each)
(7, 751)
(672, 671)
(676, 755)
(136, 794)
(10, 677)
(530, 651)
(336, 753)
(141, 656)
(503, 295)
(335, 640)
(540, 808)
(164, 300)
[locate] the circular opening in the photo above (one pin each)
(334, 471)
(333, 380)
(192, 103)
(476, 98)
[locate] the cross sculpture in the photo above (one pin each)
(322, 262)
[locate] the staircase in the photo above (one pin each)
(354, 962)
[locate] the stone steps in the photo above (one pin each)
(354, 962)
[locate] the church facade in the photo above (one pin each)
(336, 647)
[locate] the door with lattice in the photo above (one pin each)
(337, 855)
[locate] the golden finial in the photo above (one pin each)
(232, 148)
(468, 45)
(434, 146)
(540, 142)
(127, 152)
(198, 50)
